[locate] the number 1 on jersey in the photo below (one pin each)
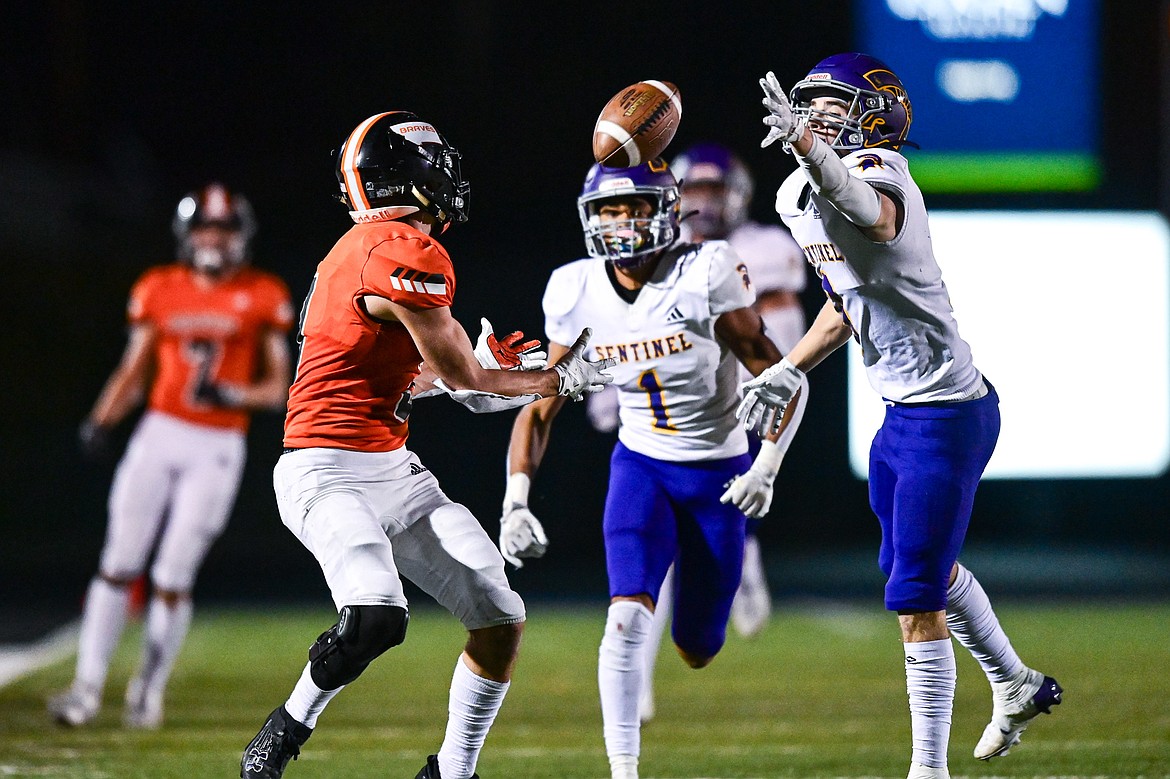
(649, 382)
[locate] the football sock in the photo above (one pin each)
(623, 767)
(620, 669)
(307, 700)
(102, 622)
(973, 623)
(471, 710)
(662, 613)
(930, 685)
(166, 627)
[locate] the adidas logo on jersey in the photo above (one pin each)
(416, 469)
(674, 315)
(409, 280)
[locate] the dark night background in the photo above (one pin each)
(108, 116)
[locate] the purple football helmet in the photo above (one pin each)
(629, 242)
(716, 189)
(879, 113)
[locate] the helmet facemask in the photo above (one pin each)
(220, 251)
(630, 242)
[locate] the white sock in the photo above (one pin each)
(307, 700)
(102, 622)
(623, 767)
(471, 710)
(620, 668)
(662, 612)
(930, 684)
(166, 627)
(973, 623)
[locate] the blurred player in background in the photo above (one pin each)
(207, 346)
(678, 318)
(716, 189)
(860, 217)
(348, 487)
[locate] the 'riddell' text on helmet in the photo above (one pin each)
(630, 242)
(879, 112)
(214, 205)
(394, 164)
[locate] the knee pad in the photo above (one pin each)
(341, 653)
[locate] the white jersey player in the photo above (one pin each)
(677, 319)
(854, 208)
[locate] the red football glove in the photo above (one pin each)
(510, 353)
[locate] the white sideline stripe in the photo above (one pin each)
(17, 660)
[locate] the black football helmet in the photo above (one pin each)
(214, 204)
(394, 164)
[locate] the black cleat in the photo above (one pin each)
(431, 769)
(279, 740)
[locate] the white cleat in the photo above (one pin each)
(75, 707)
(919, 771)
(1014, 706)
(144, 708)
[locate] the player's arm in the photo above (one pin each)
(877, 215)
(270, 390)
(742, 330)
(521, 534)
(767, 397)
(124, 390)
(445, 347)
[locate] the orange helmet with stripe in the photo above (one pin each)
(394, 164)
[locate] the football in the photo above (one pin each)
(637, 124)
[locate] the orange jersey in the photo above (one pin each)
(211, 333)
(352, 388)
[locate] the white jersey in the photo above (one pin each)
(891, 294)
(677, 384)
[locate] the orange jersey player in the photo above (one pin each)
(348, 487)
(358, 397)
(209, 336)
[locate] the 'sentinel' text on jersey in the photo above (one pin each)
(645, 350)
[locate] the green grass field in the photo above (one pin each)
(820, 694)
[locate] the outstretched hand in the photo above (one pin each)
(578, 376)
(510, 353)
(767, 396)
(783, 123)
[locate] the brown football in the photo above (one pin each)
(637, 124)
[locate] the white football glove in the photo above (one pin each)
(766, 396)
(752, 492)
(510, 353)
(783, 123)
(579, 376)
(521, 535)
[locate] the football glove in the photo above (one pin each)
(783, 123)
(509, 354)
(94, 441)
(766, 396)
(213, 394)
(521, 535)
(578, 376)
(752, 492)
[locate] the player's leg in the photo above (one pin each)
(1019, 694)
(663, 609)
(136, 505)
(205, 487)
(710, 556)
(640, 544)
(336, 519)
(930, 461)
(446, 552)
